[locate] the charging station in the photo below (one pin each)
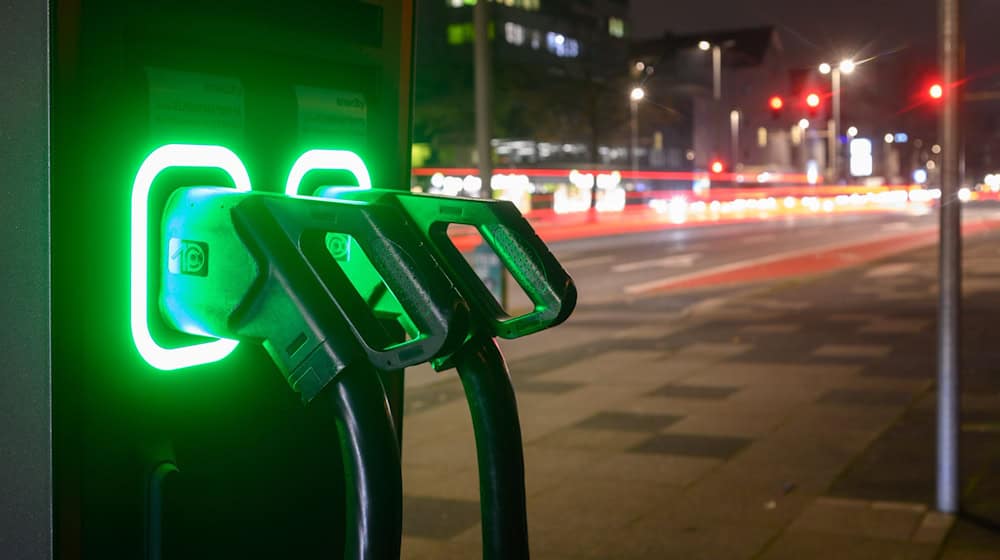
(105, 454)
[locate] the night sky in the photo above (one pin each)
(815, 31)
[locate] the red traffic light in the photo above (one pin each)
(936, 91)
(717, 167)
(775, 103)
(812, 100)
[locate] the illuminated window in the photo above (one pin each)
(529, 5)
(762, 137)
(616, 27)
(513, 33)
(561, 46)
(461, 33)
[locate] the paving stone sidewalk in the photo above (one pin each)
(788, 421)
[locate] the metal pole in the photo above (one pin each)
(717, 96)
(950, 259)
(716, 72)
(834, 132)
(484, 108)
(634, 107)
(734, 137)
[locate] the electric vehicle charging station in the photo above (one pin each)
(111, 456)
(145, 424)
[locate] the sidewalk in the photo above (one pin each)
(791, 421)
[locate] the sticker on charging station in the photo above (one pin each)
(189, 104)
(187, 257)
(330, 113)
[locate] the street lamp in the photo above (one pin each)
(845, 66)
(716, 67)
(717, 96)
(635, 96)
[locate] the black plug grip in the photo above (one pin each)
(286, 236)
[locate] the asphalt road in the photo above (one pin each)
(608, 268)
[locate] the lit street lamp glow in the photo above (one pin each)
(847, 66)
(704, 45)
(852, 131)
(889, 138)
(637, 94)
(803, 123)
(824, 68)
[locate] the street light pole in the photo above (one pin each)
(834, 140)
(846, 66)
(483, 98)
(734, 138)
(635, 96)
(717, 72)
(949, 262)
(634, 109)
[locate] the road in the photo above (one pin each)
(793, 420)
(617, 267)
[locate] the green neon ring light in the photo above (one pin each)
(330, 160)
(171, 155)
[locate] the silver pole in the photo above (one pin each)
(717, 72)
(950, 260)
(834, 140)
(634, 106)
(716, 95)
(734, 137)
(484, 109)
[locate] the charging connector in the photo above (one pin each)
(256, 266)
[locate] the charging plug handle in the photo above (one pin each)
(523, 253)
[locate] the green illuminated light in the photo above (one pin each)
(171, 155)
(329, 160)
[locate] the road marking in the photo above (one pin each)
(897, 226)
(643, 287)
(685, 260)
(891, 269)
(763, 238)
(590, 261)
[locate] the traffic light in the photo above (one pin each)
(717, 166)
(775, 104)
(812, 102)
(935, 91)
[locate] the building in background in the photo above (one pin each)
(559, 76)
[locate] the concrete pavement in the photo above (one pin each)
(790, 420)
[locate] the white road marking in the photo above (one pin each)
(643, 287)
(590, 261)
(892, 269)
(897, 226)
(763, 238)
(685, 260)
